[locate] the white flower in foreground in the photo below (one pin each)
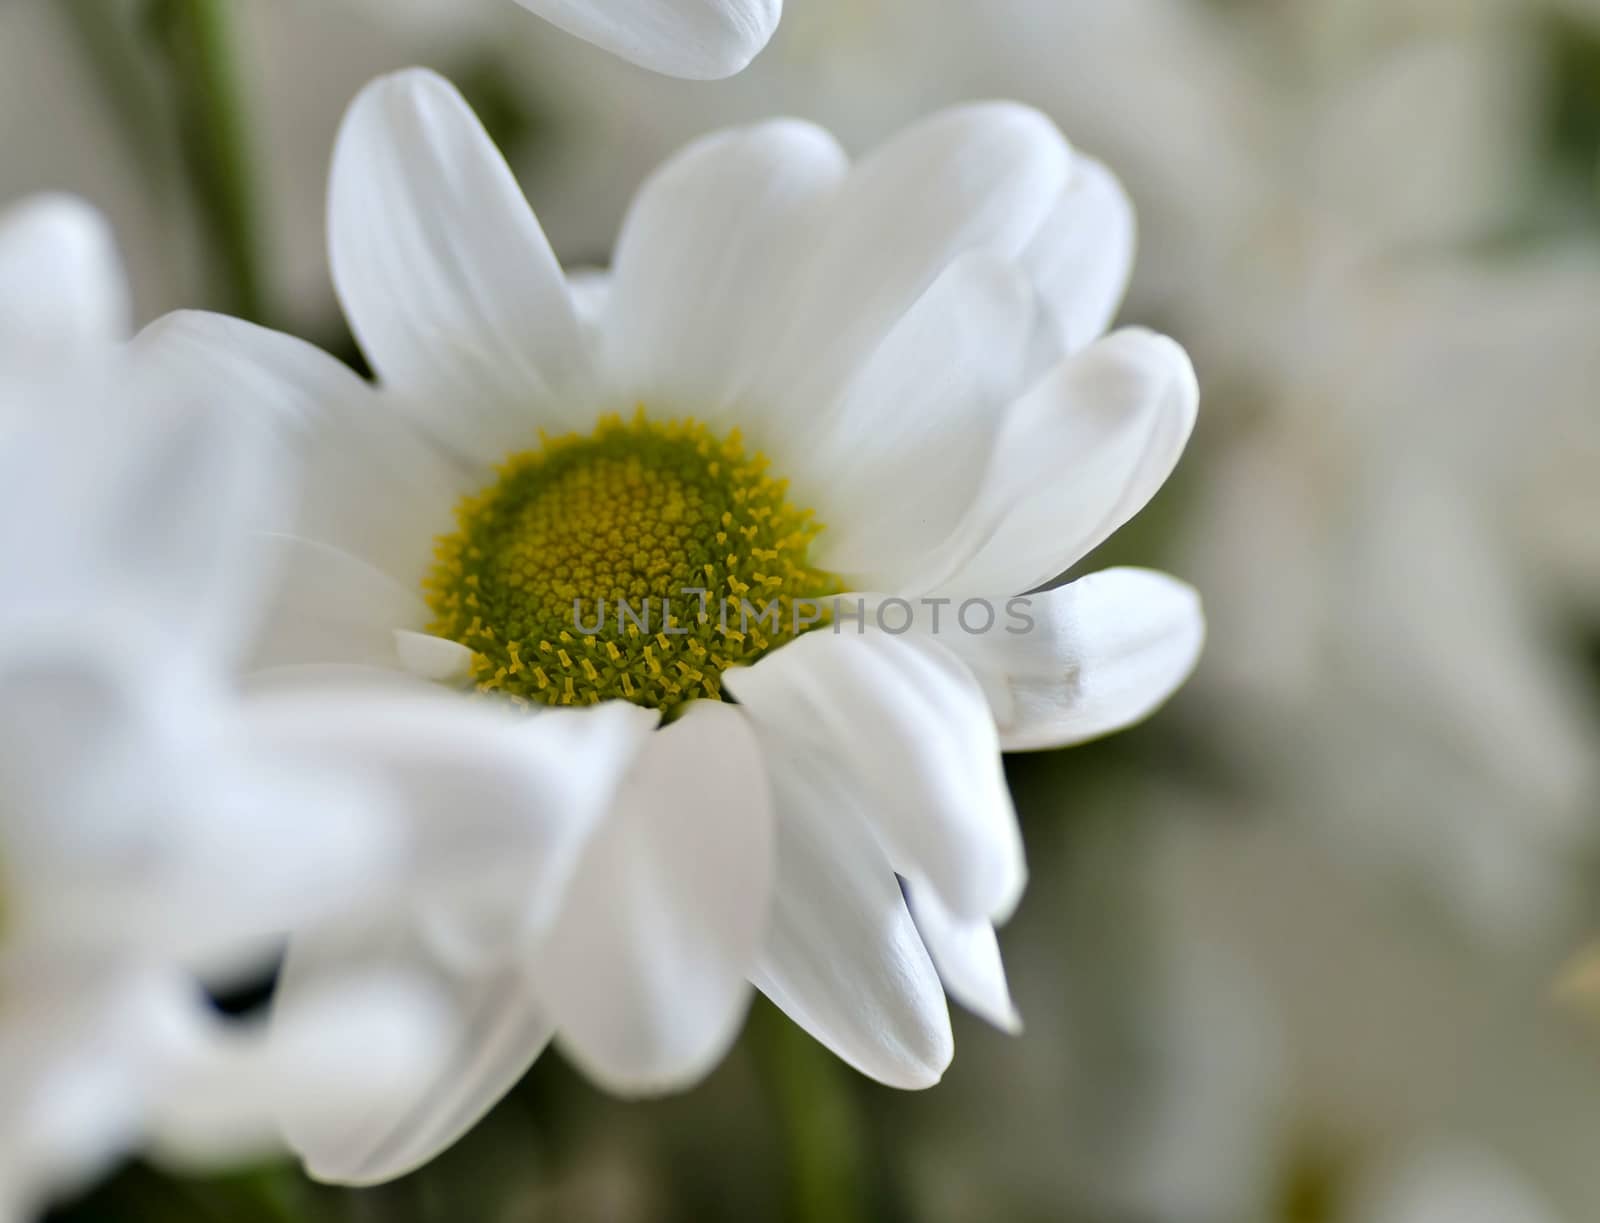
(141, 841)
(799, 378)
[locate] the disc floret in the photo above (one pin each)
(635, 563)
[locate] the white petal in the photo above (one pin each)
(1077, 457)
(447, 279)
(354, 1046)
(902, 454)
(646, 970)
(981, 177)
(1082, 257)
(967, 956)
(336, 677)
(703, 264)
(435, 658)
(147, 825)
(62, 286)
(373, 485)
(1087, 659)
(80, 1064)
(150, 489)
(329, 607)
(904, 726)
(701, 40)
(497, 805)
(496, 1030)
(842, 957)
(284, 383)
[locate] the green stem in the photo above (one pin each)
(215, 131)
(824, 1143)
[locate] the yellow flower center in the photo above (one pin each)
(637, 563)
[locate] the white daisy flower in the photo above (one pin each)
(142, 839)
(800, 378)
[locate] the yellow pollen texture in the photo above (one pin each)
(573, 577)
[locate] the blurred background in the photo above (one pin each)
(1301, 949)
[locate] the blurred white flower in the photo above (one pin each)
(913, 342)
(1450, 1183)
(1422, 1075)
(141, 839)
(698, 40)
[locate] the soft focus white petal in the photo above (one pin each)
(497, 805)
(901, 455)
(903, 726)
(62, 287)
(981, 177)
(967, 956)
(138, 808)
(1083, 256)
(1086, 659)
(374, 485)
(842, 957)
(435, 658)
(79, 1060)
(338, 677)
(1077, 457)
(646, 970)
(329, 607)
(701, 40)
(447, 279)
(355, 1047)
(247, 370)
(496, 1029)
(147, 486)
(704, 262)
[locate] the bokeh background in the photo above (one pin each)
(1300, 950)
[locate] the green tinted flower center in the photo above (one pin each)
(637, 563)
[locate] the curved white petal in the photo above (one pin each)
(354, 1046)
(373, 485)
(1082, 257)
(329, 607)
(83, 1059)
(967, 956)
(497, 805)
(902, 725)
(980, 177)
(285, 384)
(448, 281)
(62, 286)
(646, 970)
(435, 658)
(143, 822)
(842, 957)
(700, 40)
(902, 454)
(499, 808)
(150, 488)
(704, 265)
(1086, 659)
(1077, 457)
(495, 1029)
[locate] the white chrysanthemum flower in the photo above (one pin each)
(800, 378)
(142, 839)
